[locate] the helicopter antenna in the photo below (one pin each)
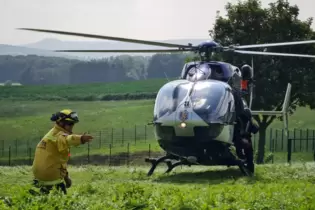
(166, 76)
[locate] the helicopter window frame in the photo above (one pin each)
(180, 92)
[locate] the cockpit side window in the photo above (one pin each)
(217, 72)
(186, 69)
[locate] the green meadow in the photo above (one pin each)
(201, 188)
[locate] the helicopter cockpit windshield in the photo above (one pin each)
(213, 101)
(169, 96)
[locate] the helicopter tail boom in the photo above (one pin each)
(283, 112)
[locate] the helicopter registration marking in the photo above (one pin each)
(183, 115)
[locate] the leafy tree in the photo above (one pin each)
(248, 22)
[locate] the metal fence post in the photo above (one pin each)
(2, 148)
(276, 142)
(110, 155)
(307, 139)
(88, 155)
(301, 135)
(112, 136)
(149, 150)
(270, 139)
(128, 154)
(16, 147)
(135, 134)
(294, 137)
(9, 155)
(289, 150)
(282, 134)
(30, 155)
(145, 133)
(122, 136)
(100, 143)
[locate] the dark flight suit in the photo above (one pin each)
(243, 117)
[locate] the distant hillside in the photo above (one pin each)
(21, 50)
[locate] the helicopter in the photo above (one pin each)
(194, 116)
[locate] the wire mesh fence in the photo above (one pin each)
(125, 146)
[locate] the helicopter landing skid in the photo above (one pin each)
(167, 160)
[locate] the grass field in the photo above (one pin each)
(114, 124)
(87, 92)
(23, 123)
(30, 119)
(273, 187)
(24, 120)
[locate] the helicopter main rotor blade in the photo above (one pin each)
(126, 51)
(162, 44)
(275, 44)
(272, 53)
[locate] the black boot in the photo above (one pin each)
(249, 154)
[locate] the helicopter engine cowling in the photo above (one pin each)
(193, 114)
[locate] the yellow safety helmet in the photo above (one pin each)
(67, 116)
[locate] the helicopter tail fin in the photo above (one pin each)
(283, 112)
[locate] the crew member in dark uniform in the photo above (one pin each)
(245, 125)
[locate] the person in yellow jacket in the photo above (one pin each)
(52, 152)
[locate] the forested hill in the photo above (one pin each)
(33, 69)
(36, 63)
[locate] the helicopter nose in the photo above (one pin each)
(185, 122)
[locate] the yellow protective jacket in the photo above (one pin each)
(52, 154)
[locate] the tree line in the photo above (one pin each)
(35, 70)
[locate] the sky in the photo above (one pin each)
(140, 19)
